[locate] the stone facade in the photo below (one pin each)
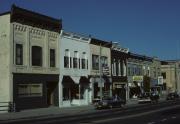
(5, 57)
(171, 75)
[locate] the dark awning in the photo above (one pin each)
(84, 80)
(67, 81)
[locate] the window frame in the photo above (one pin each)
(95, 62)
(67, 58)
(20, 55)
(52, 57)
(36, 59)
(29, 91)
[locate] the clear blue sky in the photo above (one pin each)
(149, 27)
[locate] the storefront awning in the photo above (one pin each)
(84, 80)
(76, 79)
(67, 81)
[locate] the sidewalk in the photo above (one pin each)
(46, 112)
(56, 112)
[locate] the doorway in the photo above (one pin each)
(52, 93)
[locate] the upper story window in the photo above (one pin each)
(119, 68)
(75, 60)
(164, 75)
(52, 58)
(36, 56)
(83, 61)
(19, 54)
(104, 61)
(114, 68)
(95, 62)
(67, 59)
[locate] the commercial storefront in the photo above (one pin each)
(35, 90)
(75, 91)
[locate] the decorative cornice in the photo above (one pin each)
(53, 35)
(34, 19)
(20, 28)
(37, 31)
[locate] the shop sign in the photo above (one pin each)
(105, 70)
(138, 78)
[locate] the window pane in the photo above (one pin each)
(19, 54)
(83, 63)
(36, 56)
(75, 62)
(95, 62)
(36, 89)
(66, 62)
(104, 61)
(29, 90)
(52, 58)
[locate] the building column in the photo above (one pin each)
(79, 94)
(60, 91)
(91, 92)
(111, 88)
(127, 91)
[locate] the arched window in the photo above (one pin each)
(36, 56)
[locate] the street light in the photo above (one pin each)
(100, 67)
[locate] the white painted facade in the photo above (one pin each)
(30, 36)
(12, 33)
(5, 57)
(71, 43)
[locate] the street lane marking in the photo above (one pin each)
(164, 119)
(136, 115)
(151, 122)
(173, 117)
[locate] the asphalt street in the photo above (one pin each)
(161, 113)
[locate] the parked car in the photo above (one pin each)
(148, 97)
(110, 102)
(144, 98)
(172, 96)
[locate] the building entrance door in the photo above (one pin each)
(52, 93)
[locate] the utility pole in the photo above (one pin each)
(100, 72)
(100, 68)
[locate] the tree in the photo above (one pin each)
(146, 84)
